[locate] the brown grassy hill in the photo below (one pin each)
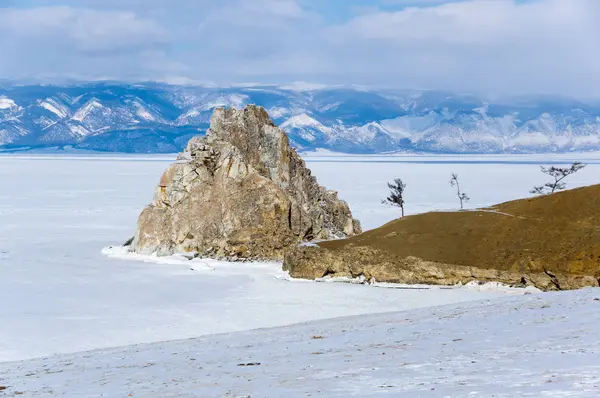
(550, 241)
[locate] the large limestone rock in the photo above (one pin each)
(240, 191)
(551, 242)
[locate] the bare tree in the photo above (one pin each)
(396, 197)
(461, 195)
(559, 174)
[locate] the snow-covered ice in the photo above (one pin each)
(60, 294)
(530, 346)
(64, 295)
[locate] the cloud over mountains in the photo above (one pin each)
(492, 46)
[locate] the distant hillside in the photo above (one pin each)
(551, 242)
(158, 118)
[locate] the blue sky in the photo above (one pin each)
(491, 46)
(336, 11)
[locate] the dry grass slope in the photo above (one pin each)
(552, 234)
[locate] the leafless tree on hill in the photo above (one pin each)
(462, 197)
(396, 196)
(559, 174)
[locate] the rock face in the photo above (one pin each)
(551, 242)
(240, 191)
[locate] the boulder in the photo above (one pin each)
(242, 192)
(551, 242)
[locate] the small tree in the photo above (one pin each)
(396, 197)
(559, 174)
(461, 195)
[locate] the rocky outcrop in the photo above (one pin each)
(551, 242)
(374, 265)
(240, 192)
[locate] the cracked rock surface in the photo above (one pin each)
(240, 192)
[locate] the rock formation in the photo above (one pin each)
(240, 192)
(551, 242)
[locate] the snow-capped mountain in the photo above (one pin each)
(153, 117)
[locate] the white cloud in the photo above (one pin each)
(546, 46)
(479, 21)
(509, 46)
(68, 42)
(83, 29)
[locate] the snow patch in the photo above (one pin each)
(277, 112)
(6, 103)
(499, 287)
(54, 107)
(303, 120)
(197, 263)
(330, 107)
(76, 99)
(368, 132)
(142, 112)
(529, 140)
(472, 286)
(85, 110)
(78, 130)
(408, 126)
(125, 253)
(190, 113)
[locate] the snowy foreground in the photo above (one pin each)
(536, 345)
(61, 295)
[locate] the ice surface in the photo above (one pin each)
(61, 294)
(530, 346)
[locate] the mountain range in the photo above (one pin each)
(160, 118)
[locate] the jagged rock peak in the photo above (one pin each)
(240, 191)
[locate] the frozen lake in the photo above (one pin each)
(60, 294)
